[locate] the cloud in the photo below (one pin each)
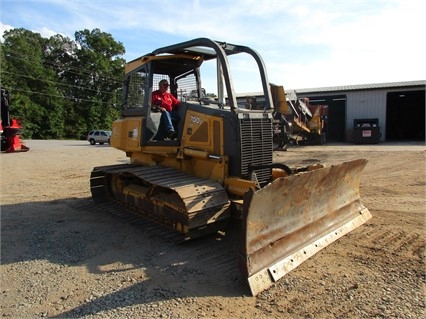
(303, 43)
(370, 44)
(3, 28)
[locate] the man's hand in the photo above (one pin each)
(156, 109)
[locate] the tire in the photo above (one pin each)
(92, 141)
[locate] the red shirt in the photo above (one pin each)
(168, 101)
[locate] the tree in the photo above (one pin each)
(62, 88)
(100, 80)
(32, 86)
(60, 56)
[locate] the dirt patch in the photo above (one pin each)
(63, 256)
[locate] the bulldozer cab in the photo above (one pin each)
(198, 72)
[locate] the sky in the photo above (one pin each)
(304, 44)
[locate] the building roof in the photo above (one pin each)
(356, 87)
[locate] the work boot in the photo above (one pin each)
(172, 135)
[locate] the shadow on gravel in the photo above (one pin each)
(75, 233)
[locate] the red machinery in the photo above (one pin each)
(10, 129)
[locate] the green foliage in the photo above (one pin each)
(61, 88)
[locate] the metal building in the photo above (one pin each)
(399, 108)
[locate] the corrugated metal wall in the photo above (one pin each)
(361, 101)
(362, 104)
(365, 104)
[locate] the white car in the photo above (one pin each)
(99, 136)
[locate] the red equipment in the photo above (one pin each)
(10, 133)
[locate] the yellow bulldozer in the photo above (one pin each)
(220, 165)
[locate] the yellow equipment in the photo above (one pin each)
(221, 165)
(296, 120)
(308, 121)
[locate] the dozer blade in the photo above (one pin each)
(294, 217)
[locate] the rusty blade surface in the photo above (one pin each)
(293, 218)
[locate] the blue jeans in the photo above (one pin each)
(166, 123)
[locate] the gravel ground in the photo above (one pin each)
(62, 256)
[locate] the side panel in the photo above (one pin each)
(126, 134)
(203, 131)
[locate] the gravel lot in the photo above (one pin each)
(62, 256)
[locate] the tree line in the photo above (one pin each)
(61, 88)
